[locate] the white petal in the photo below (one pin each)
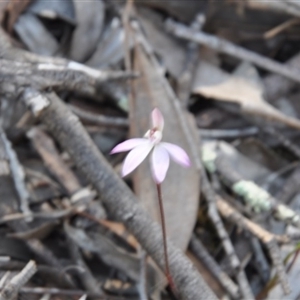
(177, 154)
(160, 163)
(135, 157)
(157, 119)
(128, 145)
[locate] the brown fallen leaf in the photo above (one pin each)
(181, 188)
(242, 90)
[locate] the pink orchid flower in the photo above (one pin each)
(161, 152)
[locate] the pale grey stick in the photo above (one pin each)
(99, 119)
(18, 175)
(202, 254)
(11, 289)
(223, 46)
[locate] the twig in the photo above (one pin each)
(280, 28)
(36, 215)
(231, 214)
(286, 142)
(65, 292)
(290, 187)
(198, 249)
(256, 197)
(228, 133)
(185, 80)
(276, 86)
(4, 280)
(53, 161)
(86, 277)
(229, 48)
(99, 119)
(18, 175)
(116, 196)
(11, 289)
(142, 284)
(106, 250)
(266, 237)
(280, 6)
(274, 252)
(210, 197)
(260, 261)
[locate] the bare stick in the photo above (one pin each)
(142, 285)
(116, 196)
(65, 292)
(266, 237)
(100, 119)
(202, 254)
(186, 78)
(11, 289)
(210, 197)
(229, 48)
(53, 161)
(18, 175)
(228, 133)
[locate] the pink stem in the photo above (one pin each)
(163, 225)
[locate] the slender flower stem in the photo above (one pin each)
(163, 226)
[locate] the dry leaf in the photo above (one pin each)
(181, 187)
(241, 90)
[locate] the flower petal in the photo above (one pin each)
(128, 145)
(157, 119)
(160, 163)
(135, 157)
(177, 154)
